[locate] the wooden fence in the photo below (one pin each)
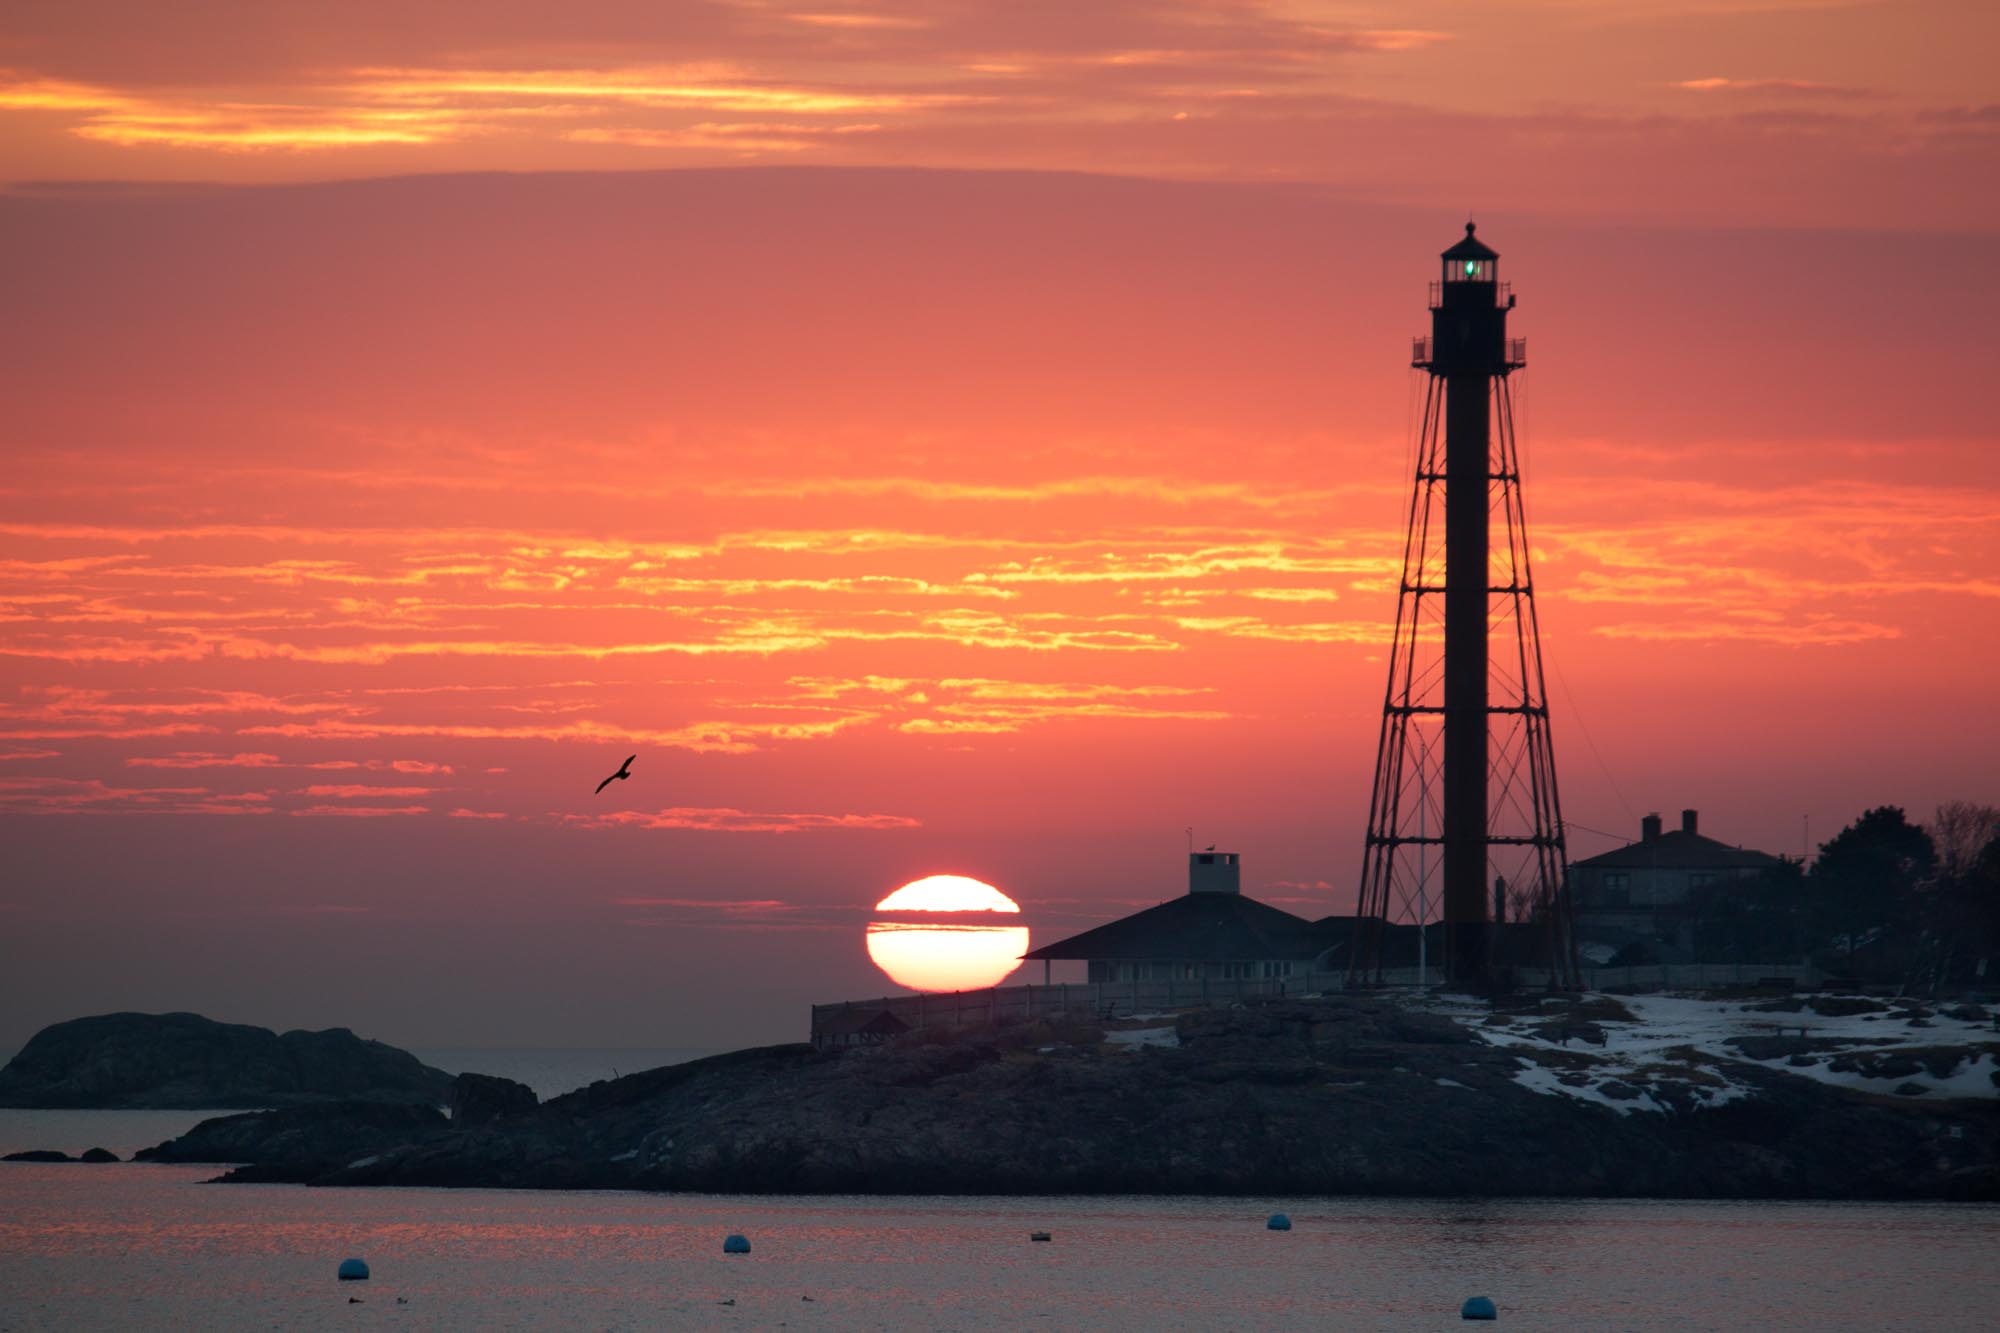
(1124, 999)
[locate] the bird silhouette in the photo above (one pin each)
(624, 771)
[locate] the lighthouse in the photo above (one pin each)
(1464, 810)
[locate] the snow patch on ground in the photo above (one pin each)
(1972, 1077)
(1550, 1083)
(1685, 1051)
(1134, 1038)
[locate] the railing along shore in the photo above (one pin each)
(1123, 999)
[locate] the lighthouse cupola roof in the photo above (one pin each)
(1471, 247)
(1471, 260)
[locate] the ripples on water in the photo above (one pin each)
(137, 1246)
(152, 1247)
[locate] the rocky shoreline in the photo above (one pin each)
(1326, 1095)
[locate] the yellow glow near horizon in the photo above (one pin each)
(947, 893)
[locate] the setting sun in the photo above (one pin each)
(946, 955)
(947, 893)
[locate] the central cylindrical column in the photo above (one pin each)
(1467, 469)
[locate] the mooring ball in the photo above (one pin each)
(736, 1245)
(353, 1270)
(1278, 1222)
(1478, 1307)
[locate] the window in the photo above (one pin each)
(1616, 889)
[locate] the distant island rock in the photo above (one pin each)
(1327, 1095)
(185, 1061)
(90, 1155)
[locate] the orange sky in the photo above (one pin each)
(1003, 520)
(1815, 112)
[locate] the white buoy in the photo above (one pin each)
(737, 1244)
(1277, 1222)
(353, 1270)
(1478, 1307)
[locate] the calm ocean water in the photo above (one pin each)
(153, 1247)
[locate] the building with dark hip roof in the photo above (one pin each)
(1212, 932)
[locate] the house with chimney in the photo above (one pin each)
(1634, 894)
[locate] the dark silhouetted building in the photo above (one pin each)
(1633, 893)
(1212, 932)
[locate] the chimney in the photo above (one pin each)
(1649, 828)
(1687, 821)
(1214, 872)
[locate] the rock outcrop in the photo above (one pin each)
(38, 1155)
(177, 1061)
(1339, 1095)
(303, 1142)
(477, 1099)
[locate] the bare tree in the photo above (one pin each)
(1960, 831)
(1963, 900)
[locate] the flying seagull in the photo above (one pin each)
(624, 771)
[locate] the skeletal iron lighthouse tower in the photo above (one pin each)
(1464, 801)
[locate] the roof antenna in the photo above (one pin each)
(1190, 833)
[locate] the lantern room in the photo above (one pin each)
(1469, 308)
(1471, 260)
